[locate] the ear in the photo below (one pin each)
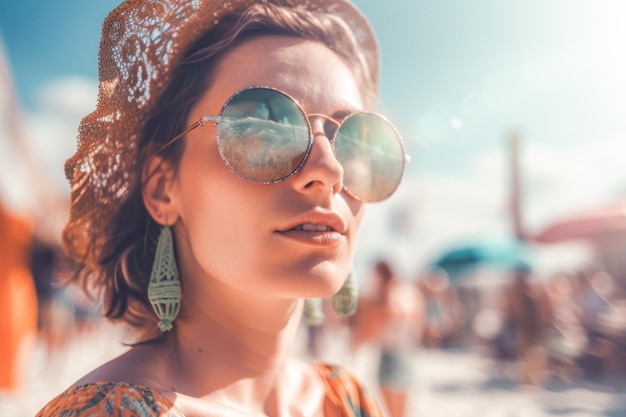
(158, 178)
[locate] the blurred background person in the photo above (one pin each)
(596, 296)
(18, 298)
(391, 318)
(567, 337)
(24, 198)
(444, 311)
(528, 311)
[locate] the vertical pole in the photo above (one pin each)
(515, 202)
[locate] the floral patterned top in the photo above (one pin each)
(123, 399)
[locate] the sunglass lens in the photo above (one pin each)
(372, 156)
(263, 135)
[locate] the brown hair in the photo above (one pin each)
(119, 272)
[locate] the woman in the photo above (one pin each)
(18, 298)
(392, 318)
(220, 182)
(528, 312)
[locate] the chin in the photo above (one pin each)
(320, 281)
(327, 282)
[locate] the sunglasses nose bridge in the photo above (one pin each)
(320, 123)
(321, 166)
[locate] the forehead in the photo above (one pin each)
(307, 70)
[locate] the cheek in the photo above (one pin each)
(357, 209)
(219, 240)
(220, 213)
(202, 191)
(215, 205)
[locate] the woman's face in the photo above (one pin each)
(248, 237)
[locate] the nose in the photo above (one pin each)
(321, 171)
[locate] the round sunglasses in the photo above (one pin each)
(264, 136)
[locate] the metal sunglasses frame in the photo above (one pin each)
(215, 120)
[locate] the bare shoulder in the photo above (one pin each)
(138, 365)
(121, 384)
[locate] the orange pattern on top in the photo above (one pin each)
(122, 399)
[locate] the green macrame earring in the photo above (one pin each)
(344, 302)
(164, 287)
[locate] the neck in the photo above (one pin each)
(233, 352)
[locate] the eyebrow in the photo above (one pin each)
(338, 115)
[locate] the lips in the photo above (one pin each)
(316, 234)
(310, 227)
(317, 222)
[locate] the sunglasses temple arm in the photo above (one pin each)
(200, 123)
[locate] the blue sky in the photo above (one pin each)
(458, 77)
